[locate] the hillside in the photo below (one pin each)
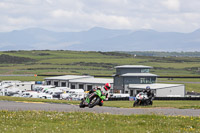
(99, 39)
(92, 63)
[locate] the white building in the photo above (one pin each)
(89, 83)
(78, 82)
(160, 90)
(63, 81)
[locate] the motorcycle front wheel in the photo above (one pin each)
(94, 100)
(82, 105)
(135, 103)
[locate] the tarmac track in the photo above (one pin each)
(16, 106)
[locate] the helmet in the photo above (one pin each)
(107, 86)
(148, 88)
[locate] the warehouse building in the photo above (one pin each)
(63, 81)
(78, 82)
(90, 83)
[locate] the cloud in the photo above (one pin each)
(96, 18)
(172, 4)
(77, 15)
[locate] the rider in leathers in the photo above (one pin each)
(104, 92)
(150, 95)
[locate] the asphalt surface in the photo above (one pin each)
(15, 106)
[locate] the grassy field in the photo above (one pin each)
(40, 121)
(121, 104)
(92, 63)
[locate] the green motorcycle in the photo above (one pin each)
(93, 99)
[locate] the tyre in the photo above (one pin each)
(82, 105)
(100, 103)
(94, 100)
(151, 102)
(135, 103)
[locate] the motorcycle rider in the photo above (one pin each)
(104, 92)
(150, 95)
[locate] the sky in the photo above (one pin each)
(78, 15)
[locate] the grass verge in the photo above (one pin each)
(22, 99)
(41, 121)
(182, 104)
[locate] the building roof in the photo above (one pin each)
(134, 66)
(139, 75)
(153, 86)
(93, 80)
(67, 77)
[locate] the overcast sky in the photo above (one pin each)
(77, 15)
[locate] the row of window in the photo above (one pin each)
(63, 84)
(145, 70)
(140, 81)
(72, 86)
(147, 80)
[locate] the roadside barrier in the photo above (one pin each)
(177, 98)
(155, 98)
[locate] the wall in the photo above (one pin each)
(24, 86)
(178, 91)
(118, 83)
(85, 85)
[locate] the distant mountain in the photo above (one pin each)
(100, 39)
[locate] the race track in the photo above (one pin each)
(15, 106)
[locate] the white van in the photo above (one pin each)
(80, 93)
(29, 94)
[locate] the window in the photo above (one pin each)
(81, 86)
(72, 86)
(63, 84)
(144, 70)
(48, 82)
(142, 80)
(89, 87)
(126, 92)
(148, 80)
(131, 93)
(56, 83)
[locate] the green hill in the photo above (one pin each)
(92, 63)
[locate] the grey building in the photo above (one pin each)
(132, 79)
(132, 74)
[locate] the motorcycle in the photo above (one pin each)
(142, 100)
(92, 99)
